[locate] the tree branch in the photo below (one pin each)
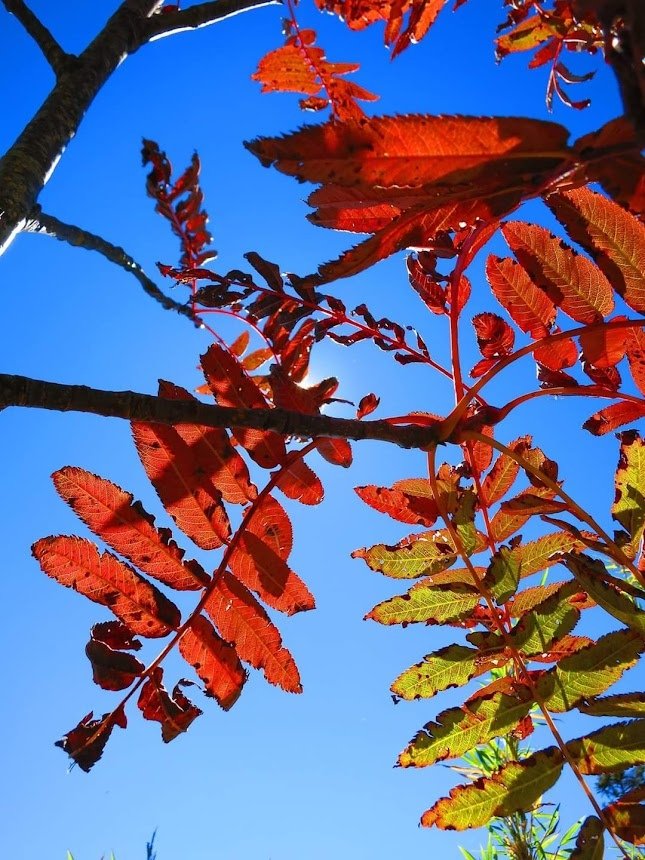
(166, 24)
(52, 51)
(22, 391)
(47, 225)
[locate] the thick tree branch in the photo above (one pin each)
(201, 15)
(52, 51)
(47, 225)
(22, 391)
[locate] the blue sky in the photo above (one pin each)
(279, 777)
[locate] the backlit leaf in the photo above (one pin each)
(590, 844)
(614, 416)
(271, 524)
(416, 555)
(86, 741)
(430, 604)
(636, 356)
(530, 307)
(297, 481)
(503, 575)
(627, 818)
(506, 522)
(242, 621)
(503, 473)
(175, 712)
(628, 508)
(404, 506)
(620, 705)
(571, 281)
(112, 669)
(452, 666)
(614, 237)
(123, 523)
(458, 730)
(75, 563)
(515, 787)
(214, 660)
(611, 749)
(188, 496)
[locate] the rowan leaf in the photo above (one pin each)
(114, 516)
(242, 621)
(430, 604)
(173, 711)
(86, 741)
(614, 237)
(232, 386)
(591, 574)
(611, 749)
(458, 730)
(628, 508)
(620, 705)
(503, 575)
(266, 573)
(299, 482)
(503, 473)
(189, 497)
(626, 818)
(529, 307)
(571, 281)
(215, 661)
(590, 843)
(400, 504)
(112, 668)
(590, 671)
(614, 416)
(338, 452)
(636, 356)
(270, 523)
(452, 666)
(507, 522)
(535, 556)
(214, 452)
(75, 563)
(417, 555)
(516, 787)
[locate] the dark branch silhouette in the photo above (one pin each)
(52, 51)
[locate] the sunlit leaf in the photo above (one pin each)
(590, 844)
(452, 666)
(628, 508)
(416, 555)
(430, 604)
(620, 705)
(173, 711)
(214, 660)
(530, 307)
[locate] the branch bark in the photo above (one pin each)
(52, 51)
(132, 406)
(200, 15)
(48, 225)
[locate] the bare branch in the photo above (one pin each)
(201, 15)
(47, 225)
(52, 51)
(22, 391)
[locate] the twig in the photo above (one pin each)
(52, 51)
(168, 23)
(48, 225)
(22, 391)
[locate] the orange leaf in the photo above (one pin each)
(232, 386)
(557, 354)
(214, 660)
(214, 452)
(271, 524)
(241, 621)
(112, 514)
(604, 347)
(636, 356)
(530, 307)
(75, 563)
(335, 451)
(297, 481)
(571, 281)
(616, 415)
(186, 493)
(623, 174)
(175, 712)
(400, 505)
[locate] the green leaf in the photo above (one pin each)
(416, 555)
(460, 729)
(535, 555)
(590, 671)
(621, 705)
(629, 505)
(503, 575)
(516, 787)
(604, 589)
(610, 749)
(464, 521)
(590, 844)
(452, 666)
(432, 604)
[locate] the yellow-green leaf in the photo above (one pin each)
(503, 575)
(610, 749)
(590, 671)
(514, 788)
(417, 555)
(458, 730)
(452, 666)
(432, 604)
(629, 505)
(621, 705)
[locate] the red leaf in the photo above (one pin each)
(112, 668)
(604, 347)
(495, 338)
(623, 175)
(400, 505)
(335, 451)
(530, 307)
(297, 481)
(186, 493)
(214, 660)
(262, 570)
(241, 621)
(175, 712)
(271, 524)
(571, 281)
(233, 387)
(367, 405)
(214, 452)
(557, 354)
(616, 415)
(75, 563)
(635, 342)
(86, 741)
(112, 514)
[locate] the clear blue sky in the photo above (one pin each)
(279, 777)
